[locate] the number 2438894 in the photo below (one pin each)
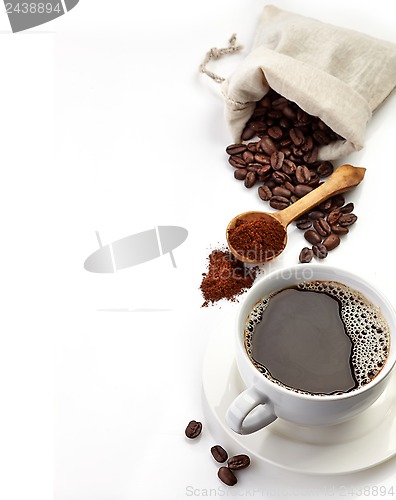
(33, 8)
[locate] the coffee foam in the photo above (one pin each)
(363, 321)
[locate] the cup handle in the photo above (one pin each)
(250, 412)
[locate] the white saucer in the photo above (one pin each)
(361, 443)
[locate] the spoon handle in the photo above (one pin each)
(342, 179)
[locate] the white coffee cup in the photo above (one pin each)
(263, 401)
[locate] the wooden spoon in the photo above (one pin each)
(343, 178)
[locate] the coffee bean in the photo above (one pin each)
(227, 476)
(311, 157)
(346, 220)
(193, 429)
(308, 144)
(264, 170)
(289, 167)
(297, 136)
(265, 193)
(315, 214)
(348, 208)
(325, 205)
(332, 241)
(259, 127)
(260, 158)
(314, 181)
(303, 175)
(339, 200)
(252, 147)
(234, 149)
(322, 227)
(321, 137)
(248, 133)
(236, 161)
(279, 202)
(238, 462)
(339, 229)
(324, 169)
(301, 190)
(280, 177)
(275, 132)
(312, 237)
(304, 223)
(320, 251)
(277, 160)
(281, 191)
(254, 167)
(265, 102)
(250, 179)
(306, 255)
(267, 145)
(219, 453)
(280, 102)
(289, 113)
(333, 216)
(248, 157)
(240, 174)
(288, 185)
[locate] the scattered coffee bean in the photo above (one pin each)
(348, 208)
(339, 201)
(315, 214)
(333, 216)
(279, 202)
(289, 167)
(320, 251)
(339, 229)
(219, 453)
(240, 174)
(304, 223)
(193, 429)
(265, 193)
(277, 160)
(236, 161)
(227, 476)
(248, 157)
(303, 174)
(281, 191)
(306, 255)
(302, 189)
(326, 205)
(322, 227)
(312, 237)
(238, 462)
(275, 132)
(268, 146)
(346, 220)
(324, 169)
(250, 179)
(331, 241)
(235, 149)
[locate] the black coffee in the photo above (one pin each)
(318, 337)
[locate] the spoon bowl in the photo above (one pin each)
(343, 179)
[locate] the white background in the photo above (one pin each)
(107, 125)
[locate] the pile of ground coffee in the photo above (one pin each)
(226, 277)
(257, 239)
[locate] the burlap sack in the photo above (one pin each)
(340, 75)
